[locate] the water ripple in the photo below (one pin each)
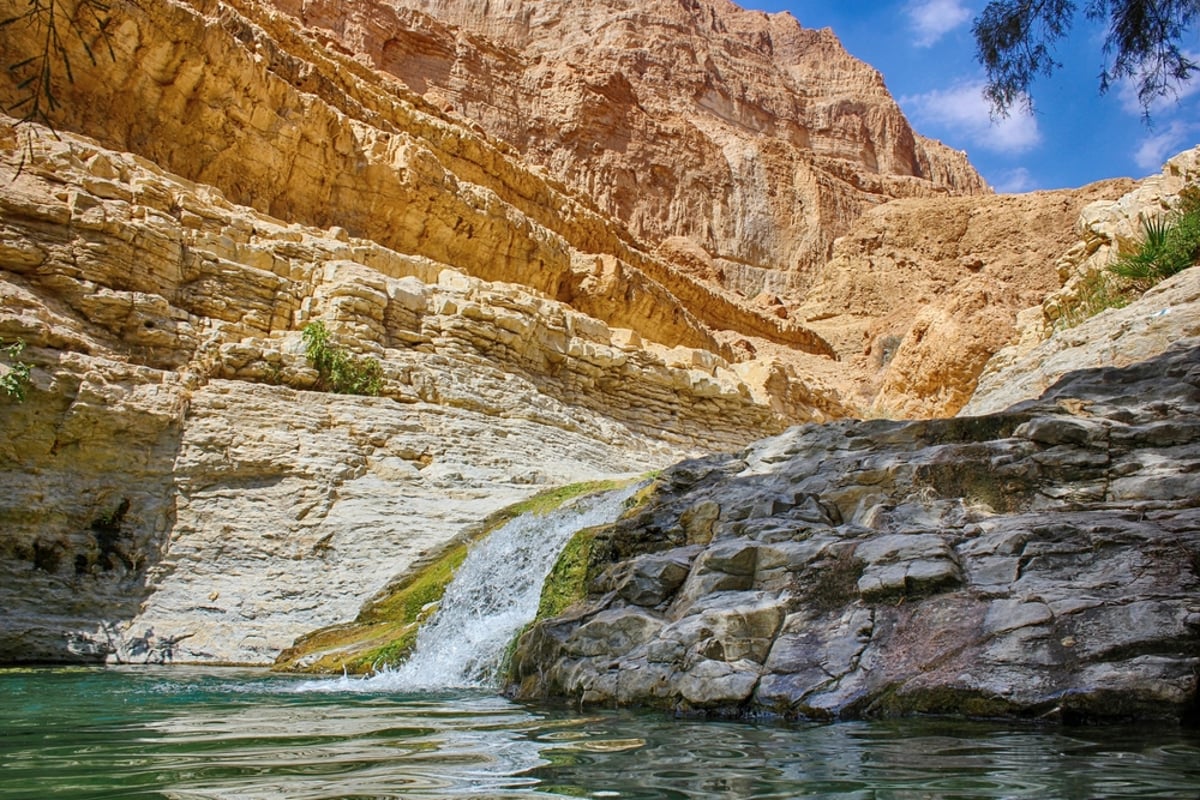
(209, 735)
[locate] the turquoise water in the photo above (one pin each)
(188, 734)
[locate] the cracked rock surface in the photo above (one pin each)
(1039, 562)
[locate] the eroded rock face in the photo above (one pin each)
(920, 293)
(1055, 336)
(237, 97)
(1039, 562)
(169, 471)
(1167, 313)
(742, 133)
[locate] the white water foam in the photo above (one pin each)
(494, 593)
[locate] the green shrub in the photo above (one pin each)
(1170, 244)
(337, 370)
(16, 377)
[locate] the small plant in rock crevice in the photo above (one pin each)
(15, 378)
(1170, 244)
(1098, 291)
(338, 371)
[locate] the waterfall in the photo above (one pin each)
(494, 593)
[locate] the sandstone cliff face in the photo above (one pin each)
(233, 96)
(1046, 346)
(922, 292)
(741, 133)
(1041, 562)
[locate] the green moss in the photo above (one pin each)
(545, 502)
(567, 582)
(408, 599)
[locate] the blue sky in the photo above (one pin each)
(926, 53)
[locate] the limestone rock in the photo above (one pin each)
(238, 98)
(1043, 562)
(735, 134)
(1167, 313)
(173, 492)
(1050, 343)
(921, 293)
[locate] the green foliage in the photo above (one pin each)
(1015, 42)
(339, 371)
(1170, 244)
(56, 22)
(15, 379)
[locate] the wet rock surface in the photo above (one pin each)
(1040, 562)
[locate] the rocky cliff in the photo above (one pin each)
(170, 470)
(738, 143)
(545, 233)
(1039, 562)
(171, 486)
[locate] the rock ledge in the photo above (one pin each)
(1040, 562)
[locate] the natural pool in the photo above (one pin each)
(212, 733)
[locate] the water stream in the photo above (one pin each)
(178, 733)
(493, 594)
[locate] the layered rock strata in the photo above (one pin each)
(737, 135)
(235, 96)
(169, 471)
(1039, 562)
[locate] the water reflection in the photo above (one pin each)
(211, 734)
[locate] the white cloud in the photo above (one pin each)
(933, 19)
(961, 113)
(1016, 181)
(1156, 149)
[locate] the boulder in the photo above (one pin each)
(1042, 562)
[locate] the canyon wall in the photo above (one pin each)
(174, 489)
(580, 240)
(701, 126)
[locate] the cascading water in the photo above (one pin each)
(494, 593)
